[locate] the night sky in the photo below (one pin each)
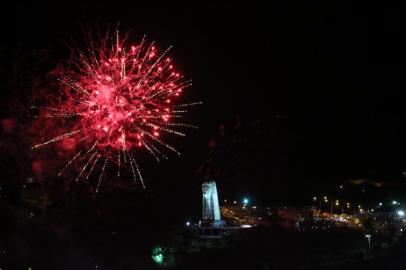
(297, 98)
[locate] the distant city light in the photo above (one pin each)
(401, 213)
(245, 200)
(394, 202)
(314, 198)
(380, 204)
(341, 187)
(235, 202)
(187, 223)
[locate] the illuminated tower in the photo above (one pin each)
(211, 209)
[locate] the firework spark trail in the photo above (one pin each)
(154, 64)
(182, 125)
(84, 167)
(101, 175)
(151, 151)
(166, 129)
(90, 150)
(138, 170)
(69, 163)
(157, 151)
(120, 98)
(56, 139)
(119, 163)
(179, 111)
(49, 108)
(124, 156)
(59, 115)
(84, 138)
(188, 104)
(93, 165)
(139, 49)
(132, 169)
(72, 85)
(162, 143)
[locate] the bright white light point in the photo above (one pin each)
(400, 213)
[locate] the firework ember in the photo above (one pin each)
(118, 100)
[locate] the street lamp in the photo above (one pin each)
(401, 213)
(342, 206)
(368, 236)
(246, 201)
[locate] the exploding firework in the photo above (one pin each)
(117, 100)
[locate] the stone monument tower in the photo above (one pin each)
(211, 209)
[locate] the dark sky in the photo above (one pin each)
(297, 98)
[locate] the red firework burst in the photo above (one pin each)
(118, 99)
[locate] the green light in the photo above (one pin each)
(158, 256)
(158, 259)
(163, 256)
